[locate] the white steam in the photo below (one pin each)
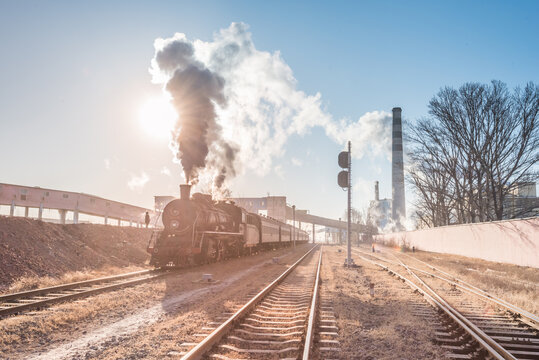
(262, 106)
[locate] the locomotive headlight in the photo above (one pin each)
(174, 224)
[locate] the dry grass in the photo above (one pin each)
(21, 336)
(382, 327)
(518, 285)
(50, 324)
(164, 338)
(36, 282)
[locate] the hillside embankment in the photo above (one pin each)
(36, 249)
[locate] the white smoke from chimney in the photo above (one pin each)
(263, 106)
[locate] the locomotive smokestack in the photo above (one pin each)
(397, 179)
(185, 191)
(376, 192)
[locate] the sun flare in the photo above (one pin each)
(157, 117)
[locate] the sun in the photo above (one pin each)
(157, 117)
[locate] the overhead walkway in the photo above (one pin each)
(68, 201)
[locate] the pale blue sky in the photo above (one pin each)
(74, 74)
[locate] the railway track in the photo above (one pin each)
(472, 323)
(40, 298)
(281, 321)
(36, 299)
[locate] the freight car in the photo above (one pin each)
(199, 230)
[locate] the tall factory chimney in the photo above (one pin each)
(398, 209)
(376, 191)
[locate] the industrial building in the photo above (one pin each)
(379, 213)
(522, 201)
(270, 206)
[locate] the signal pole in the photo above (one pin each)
(344, 179)
(349, 260)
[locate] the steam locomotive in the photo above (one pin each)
(199, 230)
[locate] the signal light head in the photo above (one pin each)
(344, 159)
(342, 179)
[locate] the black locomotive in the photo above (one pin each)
(199, 230)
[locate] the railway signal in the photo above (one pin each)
(344, 162)
(344, 181)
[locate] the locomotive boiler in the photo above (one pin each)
(199, 230)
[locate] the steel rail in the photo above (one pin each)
(486, 338)
(532, 319)
(312, 315)
(524, 315)
(34, 292)
(478, 335)
(153, 274)
(205, 345)
(477, 291)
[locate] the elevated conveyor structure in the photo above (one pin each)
(64, 201)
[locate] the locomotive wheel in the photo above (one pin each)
(216, 251)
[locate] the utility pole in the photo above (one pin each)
(358, 235)
(294, 224)
(340, 232)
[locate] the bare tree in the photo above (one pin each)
(477, 145)
(360, 217)
(356, 216)
(435, 205)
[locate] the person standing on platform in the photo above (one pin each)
(147, 219)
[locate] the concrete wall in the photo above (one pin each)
(510, 241)
(276, 206)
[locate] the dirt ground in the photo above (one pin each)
(378, 327)
(33, 249)
(148, 321)
(518, 285)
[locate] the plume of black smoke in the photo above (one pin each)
(195, 90)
